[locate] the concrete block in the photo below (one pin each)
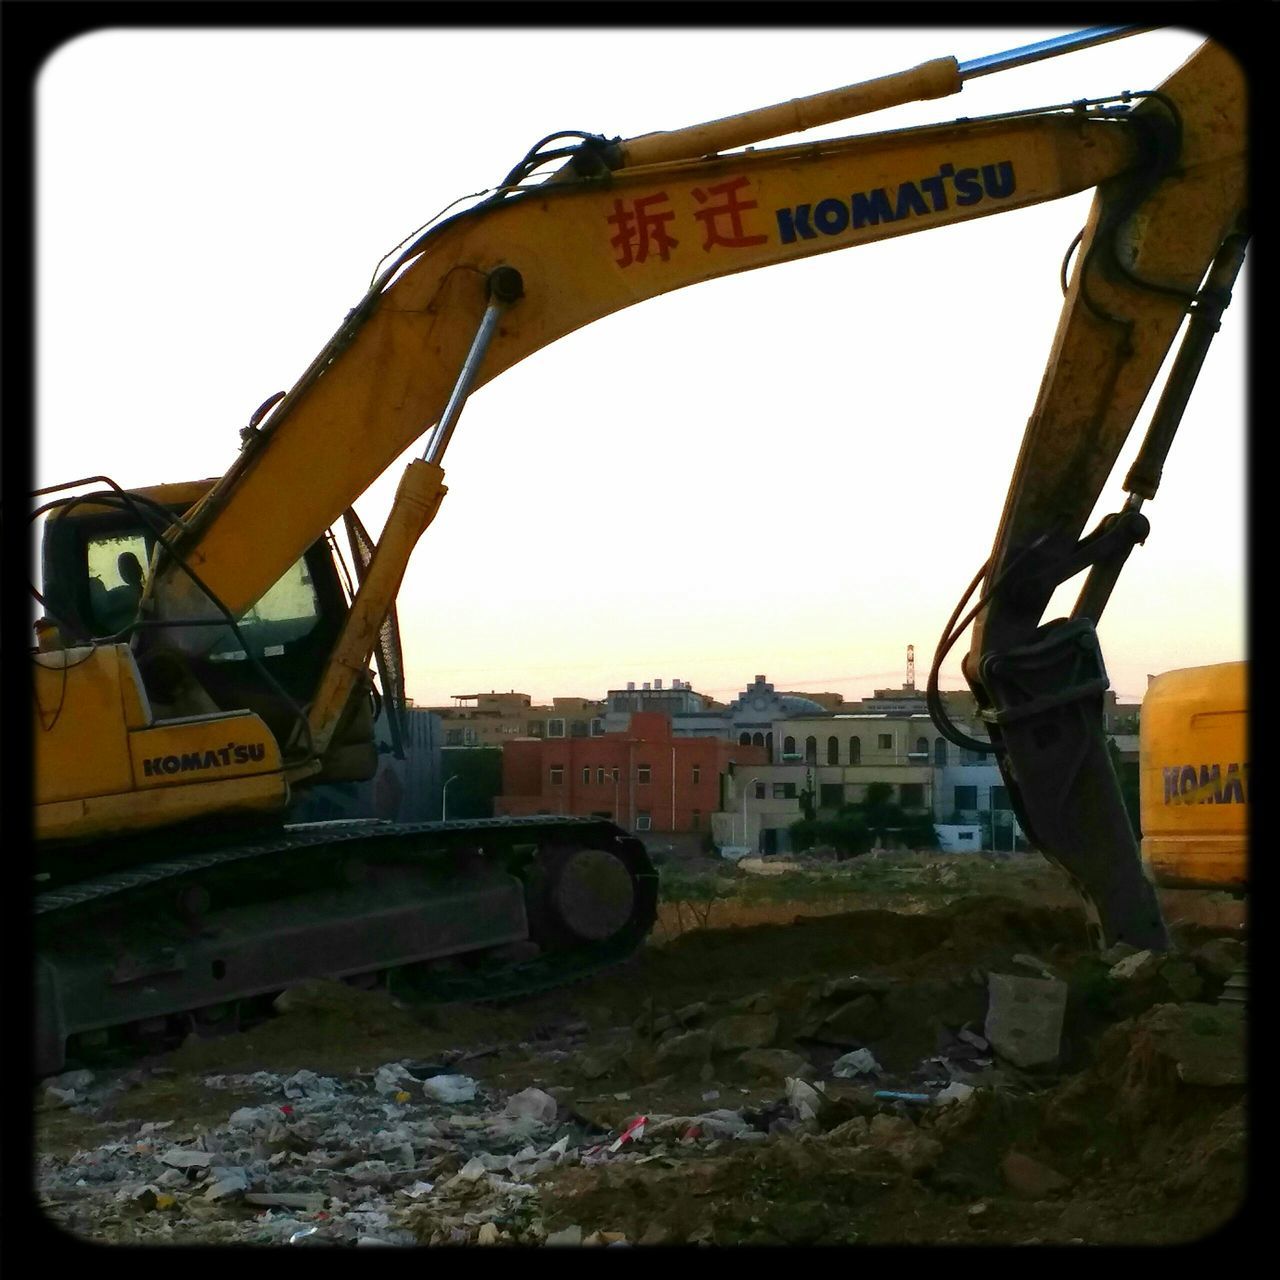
(1024, 1018)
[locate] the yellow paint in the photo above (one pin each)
(1196, 719)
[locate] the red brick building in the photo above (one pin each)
(643, 778)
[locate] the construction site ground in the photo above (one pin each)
(357, 1117)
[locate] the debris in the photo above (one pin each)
(956, 1091)
(1024, 1018)
(488, 1234)
(450, 1088)
(632, 1133)
(1034, 964)
(859, 1062)
(533, 1104)
(805, 1100)
(566, 1235)
(184, 1158)
(307, 1202)
(897, 1095)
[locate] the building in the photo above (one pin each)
(645, 778)
(492, 719)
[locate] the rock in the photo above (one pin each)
(974, 1039)
(690, 1013)
(1181, 977)
(1024, 1018)
(1030, 1179)
(776, 1064)
(73, 1081)
(1206, 1042)
(691, 1048)
(488, 1234)
(1219, 958)
(566, 1235)
(1116, 952)
(854, 985)
(914, 1152)
(1034, 964)
(756, 1002)
(1139, 967)
(744, 1031)
(656, 1233)
(855, 1023)
(849, 1132)
(598, 1062)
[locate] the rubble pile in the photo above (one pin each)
(1031, 1091)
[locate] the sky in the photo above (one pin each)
(794, 471)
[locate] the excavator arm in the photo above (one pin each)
(626, 221)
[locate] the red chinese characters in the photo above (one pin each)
(642, 226)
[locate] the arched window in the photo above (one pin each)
(788, 746)
(757, 739)
(855, 750)
(940, 751)
(833, 750)
(768, 743)
(922, 746)
(744, 739)
(811, 750)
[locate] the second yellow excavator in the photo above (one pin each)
(198, 663)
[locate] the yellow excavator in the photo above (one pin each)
(198, 664)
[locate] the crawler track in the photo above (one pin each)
(141, 946)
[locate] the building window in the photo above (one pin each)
(768, 743)
(757, 739)
(999, 797)
(922, 746)
(811, 750)
(586, 775)
(615, 775)
(831, 795)
(557, 775)
(579, 729)
(966, 797)
(744, 739)
(855, 750)
(597, 728)
(555, 728)
(453, 738)
(784, 790)
(469, 737)
(599, 775)
(697, 773)
(759, 790)
(788, 746)
(940, 751)
(886, 742)
(643, 820)
(833, 750)
(911, 795)
(642, 773)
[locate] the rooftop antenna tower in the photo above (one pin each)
(911, 668)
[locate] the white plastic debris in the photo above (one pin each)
(182, 1158)
(392, 1078)
(252, 1117)
(306, 1084)
(450, 1088)
(805, 1100)
(859, 1062)
(566, 1235)
(956, 1091)
(533, 1104)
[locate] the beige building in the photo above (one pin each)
(491, 719)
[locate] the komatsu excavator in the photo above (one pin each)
(197, 664)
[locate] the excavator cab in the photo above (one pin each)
(94, 558)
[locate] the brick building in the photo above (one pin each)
(644, 777)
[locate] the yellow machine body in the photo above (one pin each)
(1194, 777)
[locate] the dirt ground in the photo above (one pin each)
(754, 980)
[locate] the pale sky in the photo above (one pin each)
(793, 471)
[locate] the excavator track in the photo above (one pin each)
(440, 905)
